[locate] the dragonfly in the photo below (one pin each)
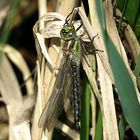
(70, 69)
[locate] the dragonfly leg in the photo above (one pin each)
(88, 48)
(67, 18)
(91, 42)
(79, 26)
(73, 14)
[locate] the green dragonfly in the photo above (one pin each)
(69, 70)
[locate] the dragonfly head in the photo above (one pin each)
(68, 32)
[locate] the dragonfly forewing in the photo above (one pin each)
(55, 104)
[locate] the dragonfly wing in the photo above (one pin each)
(55, 104)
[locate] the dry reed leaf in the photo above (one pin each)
(35, 131)
(65, 7)
(110, 128)
(65, 129)
(10, 88)
(22, 131)
(133, 42)
(20, 63)
(19, 111)
(44, 73)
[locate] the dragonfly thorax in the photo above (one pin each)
(68, 47)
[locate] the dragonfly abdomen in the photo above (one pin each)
(75, 92)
